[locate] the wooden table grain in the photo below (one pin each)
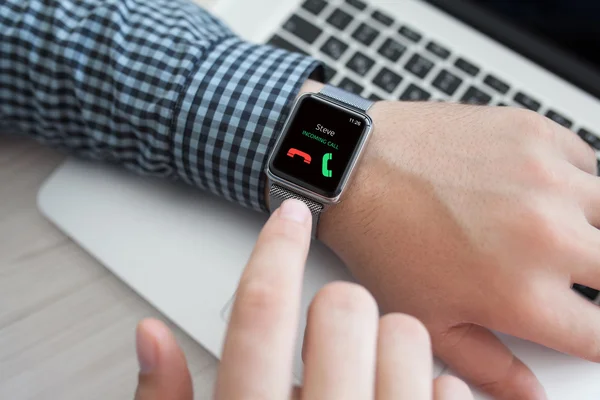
(66, 323)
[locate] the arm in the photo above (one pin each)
(159, 87)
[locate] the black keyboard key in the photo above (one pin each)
(590, 293)
(476, 96)
(447, 82)
(314, 6)
(360, 64)
(438, 50)
(419, 65)
(350, 86)
(589, 138)
(340, 19)
(302, 29)
(392, 50)
(559, 119)
(496, 84)
(410, 34)
(334, 48)
(382, 18)
(374, 97)
(278, 41)
(415, 93)
(358, 4)
(502, 104)
(387, 80)
(527, 101)
(467, 67)
(365, 34)
(329, 72)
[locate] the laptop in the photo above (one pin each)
(183, 250)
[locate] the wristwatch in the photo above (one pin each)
(321, 143)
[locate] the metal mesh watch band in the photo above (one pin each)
(278, 194)
(351, 99)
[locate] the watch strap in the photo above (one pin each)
(279, 194)
(347, 98)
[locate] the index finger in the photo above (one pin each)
(259, 347)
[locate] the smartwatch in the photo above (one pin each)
(321, 143)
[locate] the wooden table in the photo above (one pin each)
(66, 323)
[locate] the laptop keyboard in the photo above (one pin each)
(370, 53)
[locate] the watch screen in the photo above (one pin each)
(319, 146)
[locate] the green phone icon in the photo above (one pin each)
(326, 171)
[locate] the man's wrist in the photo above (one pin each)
(361, 189)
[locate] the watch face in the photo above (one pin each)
(319, 146)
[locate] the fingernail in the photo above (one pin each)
(146, 351)
(294, 210)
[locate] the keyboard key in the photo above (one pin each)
(467, 67)
(314, 6)
(589, 138)
(502, 104)
(418, 65)
(387, 80)
(415, 93)
(334, 48)
(382, 18)
(410, 34)
(278, 41)
(329, 72)
(476, 96)
(590, 293)
(556, 117)
(438, 50)
(527, 102)
(350, 86)
(340, 19)
(360, 64)
(365, 34)
(496, 84)
(357, 3)
(447, 82)
(302, 29)
(392, 50)
(374, 97)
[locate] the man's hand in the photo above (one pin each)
(476, 218)
(349, 353)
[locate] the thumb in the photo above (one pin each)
(481, 358)
(164, 374)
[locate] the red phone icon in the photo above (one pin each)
(295, 152)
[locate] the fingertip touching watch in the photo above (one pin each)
(321, 143)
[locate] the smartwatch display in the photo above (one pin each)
(318, 149)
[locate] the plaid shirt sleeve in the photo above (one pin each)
(158, 86)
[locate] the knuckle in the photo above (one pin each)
(259, 302)
(405, 326)
(532, 124)
(541, 173)
(347, 297)
(547, 232)
(453, 338)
